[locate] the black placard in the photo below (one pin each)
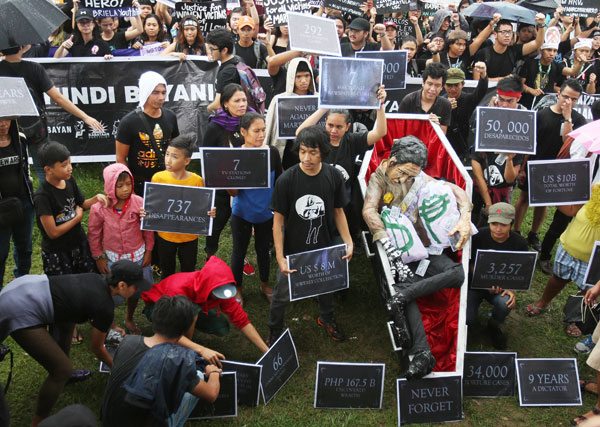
(313, 34)
(210, 14)
(248, 381)
(104, 368)
(559, 182)
(505, 269)
(349, 385)
(548, 382)
(318, 272)
(505, 130)
(592, 274)
(405, 27)
(394, 66)
(428, 8)
(226, 404)
(236, 168)
(489, 374)
(391, 6)
(580, 8)
(358, 87)
(278, 365)
(15, 98)
(351, 7)
(292, 111)
(178, 209)
(277, 10)
(429, 400)
(110, 8)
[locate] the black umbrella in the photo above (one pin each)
(509, 11)
(28, 21)
(547, 7)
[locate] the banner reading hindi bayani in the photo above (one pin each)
(108, 90)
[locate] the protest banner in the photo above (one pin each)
(277, 10)
(110, 8)
(391, 6)
(236, 168)
(15, 98)
(429, 400)
(108, 90)
(320, 271)
(580, 8)
(248, 381)
(349, 385)
(584, 105)
(489, 374)
(279, 363)
(505, 269)
(548, 382)
(504, 130)
(226, 404)
(291, 113)
(313, 34)
(178, 208)
(351, 7)
(394, 66)
(405, 27)
(151, 49)
(210, 14)
(358, 87)
(428, 8)
(559, 182)
(592, 273)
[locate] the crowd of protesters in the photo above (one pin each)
(545, 65)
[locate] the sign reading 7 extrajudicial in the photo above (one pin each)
(236, 168)
(503, 130)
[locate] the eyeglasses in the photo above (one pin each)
(212, 49)
(568, 97)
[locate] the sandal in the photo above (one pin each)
(573, 330)
(534, 310)
(79, 375)
(77, 337)
(581, 418)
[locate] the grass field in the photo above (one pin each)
(360, 313)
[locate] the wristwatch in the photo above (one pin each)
(569, 120)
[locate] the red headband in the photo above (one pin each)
(509, 93)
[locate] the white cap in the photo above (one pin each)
(148, 82)
(583, 43)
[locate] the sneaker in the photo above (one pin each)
(79, 375)
(534, 242)
(248, 268)
(584, 346)
(546, 266)
(332, 329)
(498, 338)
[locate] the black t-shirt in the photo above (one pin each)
(279, 81)
(500, 64)
(343, 156)
(411, 104)
(348, 51)
(548, 125)
(11, 178)
(248, 55)
(77, 298)
(540, 76)
(216, 136)
(118, 41)
(483, 240)
(307, 204)
(95, 47)
(142, 160)
(493, 168)
(226, 74)
(461, 62)
(61, 205)
(35, 77)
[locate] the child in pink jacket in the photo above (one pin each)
(114, 231)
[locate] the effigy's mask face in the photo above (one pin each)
(402, 173)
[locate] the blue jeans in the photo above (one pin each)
(21, 237)
(474, 298)
(186, 407)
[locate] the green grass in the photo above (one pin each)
(360, 312)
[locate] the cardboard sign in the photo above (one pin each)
(580, 8)
(110, 8)
(357, 88)
(236, 168)
(506, 269)
(178, 209)
(278, 365)
(349, 385)
(292, 111)
(313, 34)
(489, 374)
(351, 7)
(15, 98)
(248, 381)
(226, 404)
(394, 66)
(391, 6)
(559, 182)
(277, 10)
(592, 273)
(405, 27)
(151, 49)
(320, 271)
(210, 14)
(548, 382)
(429, 400)
(504, 130)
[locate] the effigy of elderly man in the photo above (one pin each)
(416, 218)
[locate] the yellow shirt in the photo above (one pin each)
(580, 236)
(193, 180)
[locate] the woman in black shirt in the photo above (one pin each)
(189, 40)
(85, 40)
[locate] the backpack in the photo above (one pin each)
(254, 92)
(260, 63)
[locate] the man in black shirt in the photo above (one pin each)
(219, 47)
(427, 100)
(253, 53)
(358, 34)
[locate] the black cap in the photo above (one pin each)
(130, 273)
(83, 14)
(360, 24)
